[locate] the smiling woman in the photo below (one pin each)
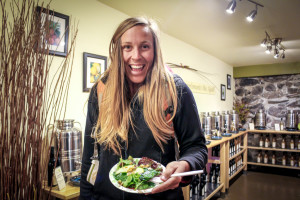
(139, 108)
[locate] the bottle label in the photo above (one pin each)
(273, 161)
(298, 145)
(258, 159)
(266, 160)
(267, 144)
(292, 163)
(292, 146)
(261, 143)
(283, 145)
(283, 162)
(274, 144)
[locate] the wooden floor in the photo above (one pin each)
(262, 186)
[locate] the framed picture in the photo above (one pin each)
(223, 92)
(58, 27)
(228, 81)
(93, 66)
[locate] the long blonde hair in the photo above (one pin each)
(115, 112)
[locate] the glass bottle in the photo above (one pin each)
(283, 143)
(298, 145)
(283, 160)
(259, 157)
(274, 142)
(266, 158)
(281, 124)
(273, 159)
(292, 144)
(267, 142)
(292, 161)
(261, 142)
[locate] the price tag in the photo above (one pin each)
(59, 178)
(277, 127)
(251, 126)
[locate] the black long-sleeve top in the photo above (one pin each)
(187, 128)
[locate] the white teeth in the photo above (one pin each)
(136, 66)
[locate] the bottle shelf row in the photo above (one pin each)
(212, 189)
(271, 165)
(273, 149)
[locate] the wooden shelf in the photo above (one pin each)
(275, 132)
(270, 165)
(69, 192)
(237, 154)
(238, 171)
(273, 149)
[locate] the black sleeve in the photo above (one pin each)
(86, 189)
(188, 128)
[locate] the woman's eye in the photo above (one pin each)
(145, 46)
(126, 47)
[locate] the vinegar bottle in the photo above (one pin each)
(281, 124)
(283, 160)
(266, 158)
(259, 157)
(283, 143)
(292, 161)
(261, 142)
(273, 159)
(267, 142)
(274, 142)
(292, 144)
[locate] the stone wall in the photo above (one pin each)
(274, 94)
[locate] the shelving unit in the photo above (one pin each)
(287, 150)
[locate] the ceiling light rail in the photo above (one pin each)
(273, 43)
(232, 5)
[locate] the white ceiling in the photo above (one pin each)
(205, 25)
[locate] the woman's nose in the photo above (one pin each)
(136, 53)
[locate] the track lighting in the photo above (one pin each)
(231, 7)
(252, 15)
(276, 43)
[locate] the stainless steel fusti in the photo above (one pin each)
(226, 121)
(235, 122)
(291, 120)
(260, 120)
(68, 143)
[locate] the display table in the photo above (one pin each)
(69, 192)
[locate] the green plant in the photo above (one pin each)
(242, 109)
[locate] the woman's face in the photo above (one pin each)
(138, 54)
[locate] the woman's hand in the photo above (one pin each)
(171, 182)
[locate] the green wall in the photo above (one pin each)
(266, 70)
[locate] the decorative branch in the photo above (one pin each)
(195, 70)
(27, 102)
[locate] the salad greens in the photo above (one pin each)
(137, 173)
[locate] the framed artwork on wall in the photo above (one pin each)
(223, 92)
(57, 33)
(228, 81)
(93, 66)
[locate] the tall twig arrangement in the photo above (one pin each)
(29, 99)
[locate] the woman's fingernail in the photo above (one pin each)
(163, 178)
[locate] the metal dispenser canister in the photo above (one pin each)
(68, 143)
(206, 123)
(291, 121)
(226, 121)
(235, 122)
(260, 120)
(218, 119)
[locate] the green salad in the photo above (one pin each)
(137, 173)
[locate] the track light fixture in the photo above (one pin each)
(275, 44)
(231, 8)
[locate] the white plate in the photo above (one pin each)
(117, 185)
